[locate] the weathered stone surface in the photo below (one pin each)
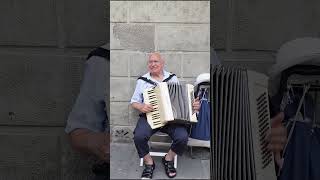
(138, 37)
(133, 83)
(170, 11)
(219, 25)
(188, 81)
(119, 89)
(21, 26)
(195, 64)
(256, 28)
(29, 156)
(119, 114)
(122, 134)
(114, 41)
(40, 89)
(138, 64)
(118, 11)
(86, 25)
(183, 37)
(173, 62)
(133, 116)
(119, 63)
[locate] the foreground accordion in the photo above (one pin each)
(172, 103)
(241, 121)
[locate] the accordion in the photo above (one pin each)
(172, 103)
(241, 121)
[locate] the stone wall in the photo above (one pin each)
(248, 33)
(179, 30)
(43, 47)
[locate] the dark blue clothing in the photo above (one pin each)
(302, 155)
(143, 132)
(201, 129)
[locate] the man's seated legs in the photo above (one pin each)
(142, 134)
(179, 136)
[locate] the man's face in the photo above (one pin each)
(155, 64)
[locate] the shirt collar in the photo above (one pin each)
(166, 74)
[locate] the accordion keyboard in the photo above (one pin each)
(154, 115)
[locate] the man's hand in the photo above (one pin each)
(277, 137)
(196, 105)
(93, 143)
(144, 108)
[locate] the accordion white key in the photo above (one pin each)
(171, 103)
(241, 121)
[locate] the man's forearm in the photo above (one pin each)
(86, 141)
(80, 140)
(137, 106)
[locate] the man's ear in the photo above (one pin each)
(162, 60)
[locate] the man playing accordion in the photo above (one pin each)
(143, 131)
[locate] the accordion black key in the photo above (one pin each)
(172, 103)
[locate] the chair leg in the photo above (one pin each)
(141, 161)
(175, 161)
(191, 152)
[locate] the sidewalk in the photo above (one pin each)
(125, 164)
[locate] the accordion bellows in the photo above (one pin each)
(171, 102)
(241, 121)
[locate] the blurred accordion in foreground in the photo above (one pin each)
(241, 120)
(172, 103)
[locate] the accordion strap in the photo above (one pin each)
(147, 80)
(168, 78)
(152, 82)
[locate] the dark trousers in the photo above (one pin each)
(143, 132)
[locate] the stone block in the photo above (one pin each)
(188, 80)
(256, 28)
(133, 116)
(137, 37)
(138, 64)
(119, 63)
(219, 25)
(118, 11)
(195, 64)
(119, 113)
(133, 83)
(173, 62)
(183, 37)
(29, 156)
(40, 89)
(122, 134)
(114, 41)
(85, 25)
(119, 89)
(21, 26)
(170, 11)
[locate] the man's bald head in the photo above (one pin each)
(155, 55)
(155, 63)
